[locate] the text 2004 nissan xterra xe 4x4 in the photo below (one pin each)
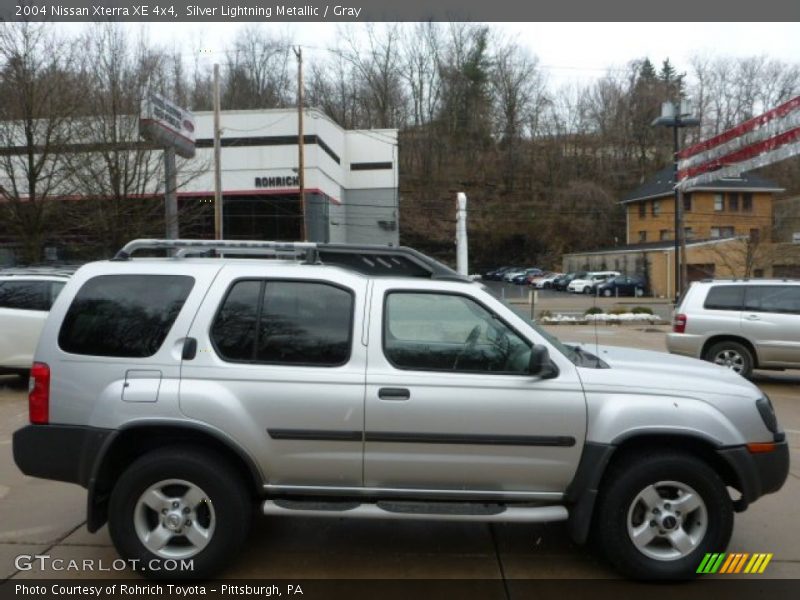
(372, 382)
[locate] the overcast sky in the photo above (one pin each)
(568, 51)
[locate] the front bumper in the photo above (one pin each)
(60, 452)
(760, 473)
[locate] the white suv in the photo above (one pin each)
(586, 284)
(26, 296)
(740, 324)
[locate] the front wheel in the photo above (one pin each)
(179, 506)
(659, 515)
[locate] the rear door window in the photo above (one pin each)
(123, 315)
(725, 297)
(25, 295)
(285, 322)
(773, 299)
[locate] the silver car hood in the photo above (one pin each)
(663, 373)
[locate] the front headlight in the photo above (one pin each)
(767, 412)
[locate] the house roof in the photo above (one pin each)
(666, 245)
(662, 184)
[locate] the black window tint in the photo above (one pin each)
(285, 322)
(305, 323)
(234, 329)
(777, 299)
(123, 315)
(725, 297)
(25, 295)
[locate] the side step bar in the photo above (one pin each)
(428, 511)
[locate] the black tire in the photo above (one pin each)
(626, 479)
(737, 352)
(607, 292)
(226, 492)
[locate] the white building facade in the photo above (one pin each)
(351, 177)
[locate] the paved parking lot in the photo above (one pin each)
(38, 516)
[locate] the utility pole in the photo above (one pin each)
(217, 160)
(301, 171)
(170, 193)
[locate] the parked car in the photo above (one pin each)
(547, 281)
(496, 274)
(509, 275)
(586, 284)
(742, 325)
(169, 391)
(622, 285)
(25, 298)
(523, 277)
(562, 282)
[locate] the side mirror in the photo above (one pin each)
(540, 363)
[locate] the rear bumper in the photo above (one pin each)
(758, 474)
(686, 344)
(60, 452)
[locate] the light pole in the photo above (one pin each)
(677, 116)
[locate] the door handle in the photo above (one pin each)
(753, 318)
(394, 394)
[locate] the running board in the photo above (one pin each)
(428, 511)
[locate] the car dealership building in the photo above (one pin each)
(350, 177)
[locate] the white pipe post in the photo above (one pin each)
(462, 253)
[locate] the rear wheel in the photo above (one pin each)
(179, 504)
(659, 515)
(733, 355)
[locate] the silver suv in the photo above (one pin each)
(373, 382)
(740, 324)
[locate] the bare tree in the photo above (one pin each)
(40, 87)
(257, 73)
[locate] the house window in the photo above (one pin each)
(663, 234)
(687, 203)
(719, 202)
(755, 235)
(733, 202)
(758, 273)
(688, 233)
(656, 208)
(642, 236)
(722, 232)
(642, 210)
(747, 202)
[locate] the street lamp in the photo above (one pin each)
(677, 116)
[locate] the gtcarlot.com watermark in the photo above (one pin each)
(44, 562)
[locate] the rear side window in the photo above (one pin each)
(773, 298)
(26, 295)
(123, 315)
(285, 322)
(725, 297)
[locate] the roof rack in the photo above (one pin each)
(57, 271)
(366, 259)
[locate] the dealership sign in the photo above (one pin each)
(281, 181)
(166, 124)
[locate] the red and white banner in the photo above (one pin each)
(758, 142)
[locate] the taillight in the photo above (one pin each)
(39, 394)
(679, 323)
